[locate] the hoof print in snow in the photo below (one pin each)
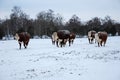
(31, 70)
(71, 73)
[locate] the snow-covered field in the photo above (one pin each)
(44, 61)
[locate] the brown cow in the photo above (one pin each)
(63, 37)
(101, 38)
(23, 37)
(91, 36)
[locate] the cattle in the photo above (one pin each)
(63, 37)
(22, 37)
(101, 38)
(91, 36)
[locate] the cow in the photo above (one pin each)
(63, 37)
(101, 38)
(91, 36)
(24, 38)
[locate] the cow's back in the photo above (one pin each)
(24, 36)
(63, 34)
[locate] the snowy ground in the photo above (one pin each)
(44, 61)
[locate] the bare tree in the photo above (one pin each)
(19, 20)
(74, 24)
(94, 24)
(109, 25)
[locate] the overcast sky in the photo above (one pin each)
(84, 9)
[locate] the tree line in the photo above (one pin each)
(47, 22)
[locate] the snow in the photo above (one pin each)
(44, 61)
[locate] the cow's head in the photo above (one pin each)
(17, 36)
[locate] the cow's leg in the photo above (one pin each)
(20, 45)
(53, 42)
(101, 43)
(98, 44)
(24, 45)
(104, 43)
(89, 40)
(57, 43)
(62, 43)
(72, 41)
(27, 43)
(69, 42)
(95, 40)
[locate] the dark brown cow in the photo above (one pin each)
(91, 36)
(63, 37)
(23, 37)
(101, 38)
